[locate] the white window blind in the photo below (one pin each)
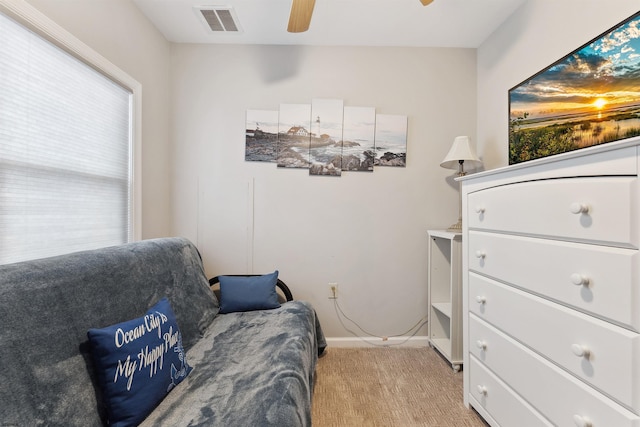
(65, 151)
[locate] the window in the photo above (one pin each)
(66, 149)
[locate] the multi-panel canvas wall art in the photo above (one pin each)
(589, 97)
(261, 135)
(326, 137)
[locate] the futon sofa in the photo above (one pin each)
(242, 368)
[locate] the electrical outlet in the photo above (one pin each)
(333, 291)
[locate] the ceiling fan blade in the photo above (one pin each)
(300, 17)
(426, 2)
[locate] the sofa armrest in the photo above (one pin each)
(288, 296)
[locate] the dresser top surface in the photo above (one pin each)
(558, 160)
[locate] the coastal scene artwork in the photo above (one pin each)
(358, 139)
(261, 135)
(325, 150)
(294, 136)
(326, 137)
(391, 140)
(589, 97)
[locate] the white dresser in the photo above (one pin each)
(551, 290)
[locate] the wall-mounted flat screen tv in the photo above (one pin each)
(589, 97)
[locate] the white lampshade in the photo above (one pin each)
(461, 150)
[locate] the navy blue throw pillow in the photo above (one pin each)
(138, 362)
(246, 293)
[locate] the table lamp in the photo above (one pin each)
(460, 153)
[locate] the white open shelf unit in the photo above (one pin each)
(445, 303)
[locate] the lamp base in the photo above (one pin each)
(456, 228)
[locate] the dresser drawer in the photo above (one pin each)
(592, 278)
(561, 397)
(592, 209)
(495, 397)
(611, 353)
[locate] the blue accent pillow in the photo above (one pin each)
(246, 293)
(138, 362)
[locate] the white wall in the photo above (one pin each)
(117, 30)
(535, 36)
(366, 231)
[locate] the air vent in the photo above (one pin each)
(219, 19)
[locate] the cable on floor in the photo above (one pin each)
(340, 314)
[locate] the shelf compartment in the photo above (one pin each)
(443, 307)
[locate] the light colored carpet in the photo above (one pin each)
(388, 387)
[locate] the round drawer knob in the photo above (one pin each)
(580, 350)
(481, 299)
(482, 345)
(578, 279)
(480, 209)
(482, 390)
(579, 208)
(582, 421)
(481, 254)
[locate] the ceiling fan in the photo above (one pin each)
(301, 11)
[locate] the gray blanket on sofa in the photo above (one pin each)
(253, 368)
(250, 369)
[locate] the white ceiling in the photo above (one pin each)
(444, 23)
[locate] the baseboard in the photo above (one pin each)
(355, 342)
